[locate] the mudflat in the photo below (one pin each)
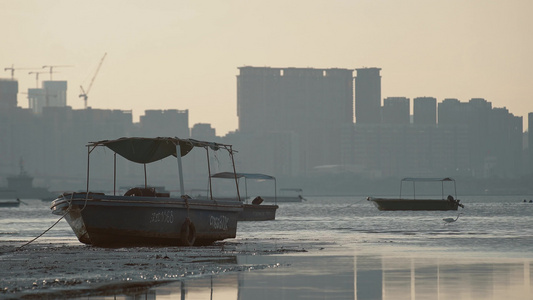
(52, 270)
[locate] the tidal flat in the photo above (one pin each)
(51, 270)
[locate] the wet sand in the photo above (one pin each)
(59, 270)
(257, 269)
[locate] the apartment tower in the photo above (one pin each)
(368, 96)
(315, 104)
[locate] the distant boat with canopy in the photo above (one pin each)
(254, 211)
(425, 203)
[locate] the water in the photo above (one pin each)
(502, 225)
(355, 251)
(31, 219)
(495, 224)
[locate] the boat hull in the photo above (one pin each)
(103, 220)
(282, 199)
(413, 204)
(253, 212)
(9, 203)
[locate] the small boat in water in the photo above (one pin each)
(142, 216)
(254, 211)
(10, 203)
(448, 203)
(287, 195)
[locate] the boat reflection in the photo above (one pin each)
(358, 277)
(213, 287)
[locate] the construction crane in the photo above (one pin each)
(12, 69)
(84, 94)
(37, 77)
(52, 67)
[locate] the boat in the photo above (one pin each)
(21, 187)
(448, 203)
(142, 216)
(10, 203)
(254, 211)
(287, 195)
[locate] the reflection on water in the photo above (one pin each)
(447, 278)
(362, 277)
(224, 287)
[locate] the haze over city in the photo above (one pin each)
(185, 55)
(303, 127)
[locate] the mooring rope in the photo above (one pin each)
(66, 212)
(20, 247)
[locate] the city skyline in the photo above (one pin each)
(187, 55)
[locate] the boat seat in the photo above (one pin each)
(144, 192)
(162, 195)
(258, 200)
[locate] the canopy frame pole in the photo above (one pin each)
(89, 150)
(275, 192)
(114, 174)
(442, 192)
(234, 172)
(180, 169)
(246, 189)
(88, 165)
(209, 173)
(145, 180)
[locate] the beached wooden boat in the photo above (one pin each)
(448, 203)
(254, 211)
(143, 216)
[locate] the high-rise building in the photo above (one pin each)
(491, 137)
(203, 131)
(396, 110)
(425, 111)
(36, 100)
(52, 94)
(368, 96)
(55, 93)
(503, 156)
(451, 111)
(170, 122)
(8, 93)
(313, 103)
(288, 98)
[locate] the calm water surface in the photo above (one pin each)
(367, 253)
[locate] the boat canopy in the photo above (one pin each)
(146, 150)
(428, 179)
(246, 176)
(414, 180)
(242, 175)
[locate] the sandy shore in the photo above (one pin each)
(52, 270)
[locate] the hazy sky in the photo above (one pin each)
(171, 54)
